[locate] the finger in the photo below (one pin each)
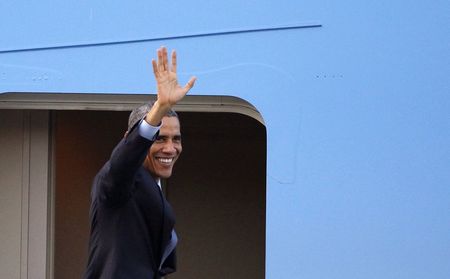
(155, 68)
(160, 60)
(189, 84)
(174, 61)
(165, 59)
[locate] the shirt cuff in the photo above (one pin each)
(148, 131)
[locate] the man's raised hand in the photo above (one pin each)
(169, 91)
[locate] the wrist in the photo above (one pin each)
(156, 113)
(161, 108)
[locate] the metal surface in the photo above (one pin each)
(357, 112)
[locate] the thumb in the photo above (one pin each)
(189, 84)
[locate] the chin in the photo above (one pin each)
(164, 175)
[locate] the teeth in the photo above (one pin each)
(165, 160)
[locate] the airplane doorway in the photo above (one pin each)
(218, 191)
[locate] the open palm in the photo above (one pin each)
(169, 91)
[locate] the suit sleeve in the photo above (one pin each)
(115, 180)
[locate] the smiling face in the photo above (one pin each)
(166, 149)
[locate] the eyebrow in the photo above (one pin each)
(165, 136)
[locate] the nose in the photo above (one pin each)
(169, 147)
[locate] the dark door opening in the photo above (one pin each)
(218, 191)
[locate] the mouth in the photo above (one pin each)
(165, 161)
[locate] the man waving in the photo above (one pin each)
(132, 224)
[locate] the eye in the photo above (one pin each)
(160, 139)
(177, 139)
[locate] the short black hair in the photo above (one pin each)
(138, 113)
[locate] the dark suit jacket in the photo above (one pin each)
(131, 221)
